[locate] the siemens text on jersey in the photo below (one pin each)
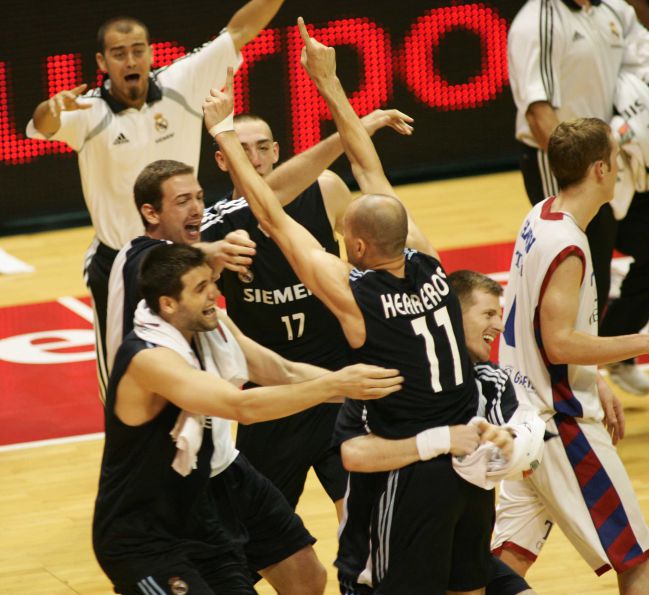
(276, 296)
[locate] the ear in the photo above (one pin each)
(101, 62)
(219, 157)
(150, 214)
(167, 305)
(275, 152)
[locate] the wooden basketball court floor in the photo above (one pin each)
(47, 491)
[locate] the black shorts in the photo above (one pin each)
(285, 449)
(140, 556)
(431, 531)
(354, 531)
(176, 575)
(256, 516)
(96, 274)
(503, 580)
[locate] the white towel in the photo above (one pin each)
(486, 466)
(222, 357)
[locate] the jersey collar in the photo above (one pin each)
(574, 6)
(154, 94)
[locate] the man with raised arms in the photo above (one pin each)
(438, 389)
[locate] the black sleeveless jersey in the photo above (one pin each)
(143, 506)
(271, 305)
(414, 324)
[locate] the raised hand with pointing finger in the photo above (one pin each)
(66, 100)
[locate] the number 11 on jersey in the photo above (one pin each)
(421, 328)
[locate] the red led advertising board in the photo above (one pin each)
(442, 62)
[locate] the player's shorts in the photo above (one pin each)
(285, 449)
(503, 580)
(354, 532)
(583, 487)
(140, 556)
(221, 575)
(256, 515)
(430, 531)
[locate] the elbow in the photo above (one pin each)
(245, 414)
(556, 352)
(352, 457)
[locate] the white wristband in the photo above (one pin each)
(225, 125)
(433, 442)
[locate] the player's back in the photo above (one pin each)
(414, 324)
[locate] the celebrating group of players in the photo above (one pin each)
(413, 427)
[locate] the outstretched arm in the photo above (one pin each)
(324, 274)
(320, 63)
(295, 175)
(47, 115)
(161, 373)
(250, 19)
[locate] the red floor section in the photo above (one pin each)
(46, 400)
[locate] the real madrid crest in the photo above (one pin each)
(178, 586)
(160, 122)
(614, 30)
(246, 277)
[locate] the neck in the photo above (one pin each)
(395, 265)
(126, 100)
(583, 3)
(578, 203)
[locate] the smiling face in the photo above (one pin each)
(195, 311)
(127, 60)
(179, 218)
(482, 321)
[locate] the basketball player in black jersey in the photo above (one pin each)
(431, 529)
(147, 533)
(255, 515)
(272, 306)
(367, 456)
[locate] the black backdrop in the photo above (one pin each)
(443, 62)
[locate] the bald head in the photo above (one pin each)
(380, 221)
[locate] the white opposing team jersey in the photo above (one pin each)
(115, 143)
(570, 57)
(545, 240)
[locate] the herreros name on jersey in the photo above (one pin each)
(430, 294)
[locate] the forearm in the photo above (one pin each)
(371, 454)
(295, 175)
(580, 348)
(366, 165)
(44, 121)
(272, 402)
(542, 120)
(250, 19)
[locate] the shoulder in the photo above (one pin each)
(490, 373)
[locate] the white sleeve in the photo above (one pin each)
(532, 56)
(73, 129)
(196, 73)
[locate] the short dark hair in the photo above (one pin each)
(123, 24)
(162, 269)
(148, 185)
(575, 145)
(465, 282)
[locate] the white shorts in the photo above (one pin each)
(584, 488)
